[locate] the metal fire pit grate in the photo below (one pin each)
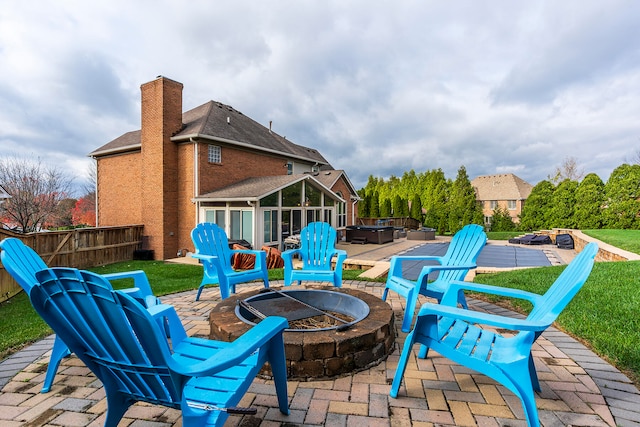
(308, 309)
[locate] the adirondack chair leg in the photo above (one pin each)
(520, 385)
(277, 362)
(117, 406)
(412, 300)
(60, 351)
(402, 364)
(200, 288)
(534, 375)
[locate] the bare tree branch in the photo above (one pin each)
(35, 189)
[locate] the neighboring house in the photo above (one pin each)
(3, 195)
(214, 164)
(504, 190)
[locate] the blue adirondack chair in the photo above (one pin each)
(212, 249)
(461, 256)
(316, 253)
(125, 347)
(455, 332)
(22, 263)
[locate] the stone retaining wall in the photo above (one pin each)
(606, 252)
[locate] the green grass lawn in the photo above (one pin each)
(629, 240)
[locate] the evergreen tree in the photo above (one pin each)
(374, 210)
(563, 205)
(385, 208)
(364, 205)
(622, 193)
(416, 208)
(400, 208)
(462, 202)
(501, 220)
(535, 212)
(589, 203)
(434, 200)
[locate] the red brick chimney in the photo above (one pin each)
(161, 118)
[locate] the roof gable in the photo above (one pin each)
(501, 187)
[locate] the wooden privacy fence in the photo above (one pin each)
(80, 248)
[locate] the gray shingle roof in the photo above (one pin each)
(218, 122)
(501, 187)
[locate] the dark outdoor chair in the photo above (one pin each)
(497, 346)
(124, 345)
(461, 257)
(22, 263)
(212, 249)
(316, 252)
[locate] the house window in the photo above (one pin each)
(241, 226)
(512, 204)
(493, 204)
(341, 213)
(270, 230)
(215, 154)
(289, 168)
(215, 216)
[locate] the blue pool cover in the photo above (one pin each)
(491, 256)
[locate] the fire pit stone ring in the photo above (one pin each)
(318, 353)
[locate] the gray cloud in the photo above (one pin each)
(379, 88)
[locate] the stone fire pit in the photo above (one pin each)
(324, 353)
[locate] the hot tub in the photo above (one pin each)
(369, 234)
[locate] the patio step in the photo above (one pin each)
(379, 269)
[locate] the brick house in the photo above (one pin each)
(213, 163)
(505, 190)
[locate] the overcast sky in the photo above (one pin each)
(378, 87)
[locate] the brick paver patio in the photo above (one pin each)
(578, 388)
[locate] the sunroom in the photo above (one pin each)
(264, 211)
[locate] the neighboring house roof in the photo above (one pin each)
(501, 187)
(253, 189)
(4, 194)
(329, 177)
(215, 121)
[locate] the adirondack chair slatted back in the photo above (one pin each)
(82, 307)
(464, 248)
(210, 239)
(565, 287)
(317, 244)
(21, 262)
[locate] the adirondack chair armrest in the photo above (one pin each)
(427, 269)
(395, 266)
(140, 281)
(478, 317)
(287, 257)
(450, 297)
(168, 312)
(210, 260)
(340, 255)
(238, 351)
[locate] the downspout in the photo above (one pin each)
(196, 179)
(353, 211)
